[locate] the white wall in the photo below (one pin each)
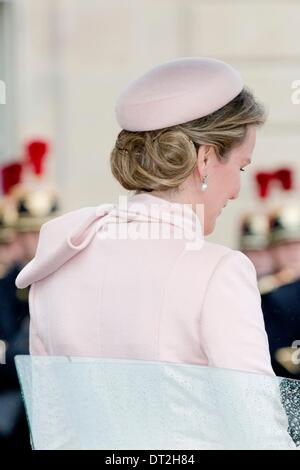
(8, 124)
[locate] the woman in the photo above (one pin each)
(189, 128)
(137, 279)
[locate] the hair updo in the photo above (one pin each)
(162, 159)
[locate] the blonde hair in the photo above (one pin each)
(164, 158)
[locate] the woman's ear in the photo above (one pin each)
(205, 159)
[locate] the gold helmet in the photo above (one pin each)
(254, 226)
(36, 200)
(8, 220)
(285, 224)
(254, 231)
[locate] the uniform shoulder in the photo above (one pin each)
(271, 282)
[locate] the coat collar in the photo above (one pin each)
(65, 236)
(179, 214)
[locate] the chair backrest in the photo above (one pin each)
(103, 403)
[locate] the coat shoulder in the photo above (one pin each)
(221, 252)
(231, 260)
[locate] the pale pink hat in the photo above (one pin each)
(176, 92)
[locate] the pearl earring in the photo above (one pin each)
(204, 185)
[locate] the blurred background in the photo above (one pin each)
(64, 62)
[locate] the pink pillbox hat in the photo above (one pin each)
(176, 92)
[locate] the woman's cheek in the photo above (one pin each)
(237, 182)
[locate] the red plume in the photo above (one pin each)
(265, 180)
(263, 184)
(285, 176)
(11, 175)
(36, 155)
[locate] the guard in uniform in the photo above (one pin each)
(35, 202)
(10, 249)
(281, 292)
(13, 315)
(254, 226)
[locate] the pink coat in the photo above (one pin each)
(151, 299)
